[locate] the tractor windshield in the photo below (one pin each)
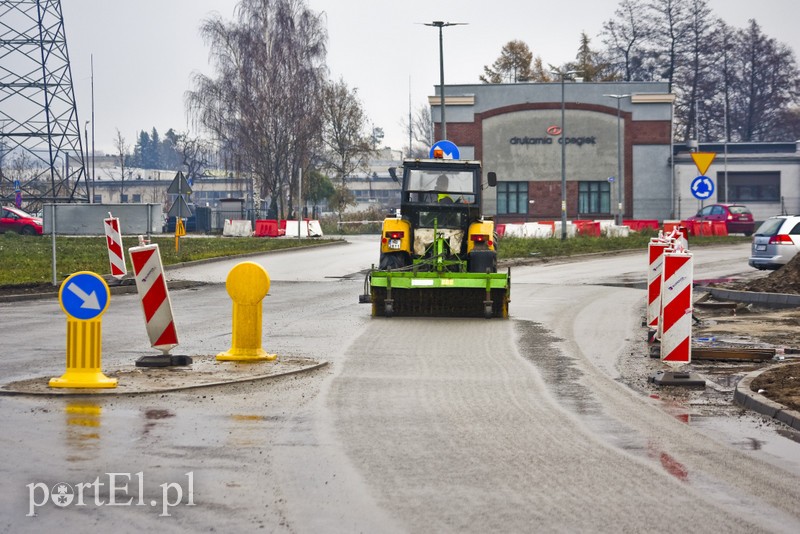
(440, 185)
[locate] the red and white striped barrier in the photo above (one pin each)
(152, 288)
(676, 309)
(655, 254)
(116, 254)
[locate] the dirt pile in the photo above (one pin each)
(784, 280)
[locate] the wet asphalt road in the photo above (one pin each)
(417, 425)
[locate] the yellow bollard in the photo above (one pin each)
(84, 297)
(247, 284)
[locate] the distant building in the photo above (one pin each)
(375, 188)
(763, 176)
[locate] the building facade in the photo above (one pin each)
(608, 143)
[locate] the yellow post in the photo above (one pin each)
(247, 284)
(84, 297)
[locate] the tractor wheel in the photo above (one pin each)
(393, 261)
(482, 261)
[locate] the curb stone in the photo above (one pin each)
(750, 400)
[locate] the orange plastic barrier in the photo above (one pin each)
(501, 230)
(719, 228)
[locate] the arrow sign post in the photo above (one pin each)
(84, 297)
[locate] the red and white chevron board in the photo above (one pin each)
(152, 288)
(676, 309)
(116, 255)
(655, 254)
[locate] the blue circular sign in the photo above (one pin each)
(84, 295)
(449, 149)
(702, 187)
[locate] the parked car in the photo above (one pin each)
(16, 220)
(775, 242)
(738, 218)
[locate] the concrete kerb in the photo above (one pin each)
(750, 400)
(770, 300)
(205, 372)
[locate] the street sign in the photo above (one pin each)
(449, 149)
(703, 160)
(84, 295)
(179, 204)
(179, 186)
(180, 229)
(702, 187)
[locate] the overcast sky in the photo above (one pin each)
(146, 51)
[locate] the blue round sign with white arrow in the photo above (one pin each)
(449, 149)
(702, 187)
(84, 295)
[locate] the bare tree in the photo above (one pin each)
(264, 104)
(122, 152)
(764, 84)
(671, 25)
(420, 131)
(194, 154)
(347, 147)
(624, 37)
(696, 73)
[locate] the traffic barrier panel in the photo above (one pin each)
(247, 285)
(151, 286)
(237, 228)
(84, 298)
(589, 228)
(655, 254)
(116, 254)
(314, 228)
(266, 228)
(719, 228)
(292, 227)
(637, 225)
(676, 309)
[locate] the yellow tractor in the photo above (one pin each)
(438, 254)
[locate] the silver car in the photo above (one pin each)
(775, 242)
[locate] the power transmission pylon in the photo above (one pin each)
(41, 155)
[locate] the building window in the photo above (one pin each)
(137, 199)
(512, 197)
(749, 187)
(594, 197)
(123, 199)
(98, 199)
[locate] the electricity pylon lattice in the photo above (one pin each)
(41, 155)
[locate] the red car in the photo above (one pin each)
(738, 218)
(15, 220)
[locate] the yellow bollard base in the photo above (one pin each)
(246, 355)
(83, 380)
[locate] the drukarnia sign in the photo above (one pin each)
(580, 141)
(553, 131)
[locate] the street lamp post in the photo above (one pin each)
(440, 24)
(619, 157)
(563, 74)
